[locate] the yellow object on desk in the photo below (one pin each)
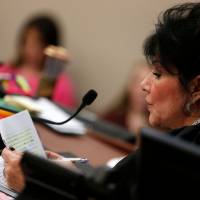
(23, 102)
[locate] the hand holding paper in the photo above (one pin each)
(17, 131)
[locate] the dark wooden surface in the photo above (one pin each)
(96, 147)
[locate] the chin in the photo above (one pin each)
(155, 123)
(158, 125)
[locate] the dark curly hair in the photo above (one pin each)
(176, 41)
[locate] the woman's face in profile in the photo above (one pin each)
(165, 98)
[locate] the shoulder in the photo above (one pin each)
(64, 81)
(127, 167)
(64, 77)
(188, 133)
(125, 176)
(64, 92)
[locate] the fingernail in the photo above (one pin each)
(12, 148)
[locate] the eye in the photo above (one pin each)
(157, 74)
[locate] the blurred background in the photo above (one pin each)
(105, 38)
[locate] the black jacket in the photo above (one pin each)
(125, 174)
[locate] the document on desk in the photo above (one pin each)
(18, 131)
(52, 112)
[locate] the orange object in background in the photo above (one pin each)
(5, 113)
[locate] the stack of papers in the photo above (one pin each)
(52, 112)
(48, 110)
(22, 102)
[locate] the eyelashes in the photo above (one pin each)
(157, 74)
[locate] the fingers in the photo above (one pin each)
(60, 160)
(11, 160)
(9, 155)
(52, 155)
(12, 170)
(14, 176)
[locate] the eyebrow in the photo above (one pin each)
(155, 61)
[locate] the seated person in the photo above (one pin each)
(131, 111)
(35, 36)
(172, 91)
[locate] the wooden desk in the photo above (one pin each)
(94, 146)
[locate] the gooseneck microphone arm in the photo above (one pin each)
(87, 99)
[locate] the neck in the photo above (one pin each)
(189, 121)
(194, 117)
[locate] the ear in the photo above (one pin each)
(194, 88)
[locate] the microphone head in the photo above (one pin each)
(89, 97)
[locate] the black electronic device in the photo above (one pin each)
(47, 180)
(170, 167)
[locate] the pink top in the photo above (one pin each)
(63, 93)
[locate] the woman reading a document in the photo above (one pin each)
(172, 88)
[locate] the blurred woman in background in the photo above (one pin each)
(35, 36)
(131, 112)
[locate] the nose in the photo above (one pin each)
(145, 85)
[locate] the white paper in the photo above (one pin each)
(18, 131)
(52, 112)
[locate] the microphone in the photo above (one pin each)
(87, 99)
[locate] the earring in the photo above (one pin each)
(188, 107)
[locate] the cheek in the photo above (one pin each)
(157, 94)
(34, 54)
(168, 100)
(168, 92)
